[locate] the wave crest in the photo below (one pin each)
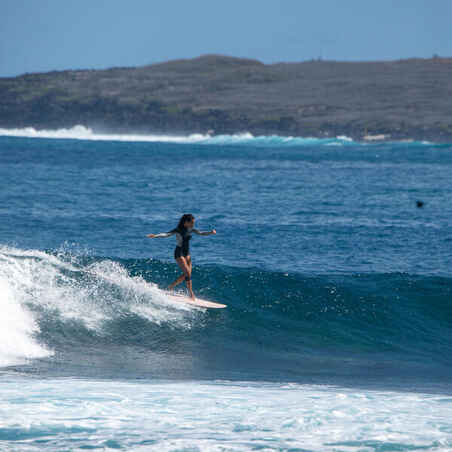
(80, 132)
(74, 302)
(38, 287)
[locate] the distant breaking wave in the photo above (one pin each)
(80, 132)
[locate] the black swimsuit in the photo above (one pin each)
(183, 237)
(183, 245)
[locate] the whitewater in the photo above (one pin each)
(171, 415)
(338, 331)
(80, 132)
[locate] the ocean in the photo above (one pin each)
(333, 256)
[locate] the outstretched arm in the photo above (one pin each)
(212, 232)
(161, 235)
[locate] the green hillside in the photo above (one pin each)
(406, 98)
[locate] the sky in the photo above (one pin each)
(45, 35)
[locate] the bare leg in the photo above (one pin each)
(188, 282)
(186, 268)
(188, 258)
(190, 289)
(178, 281)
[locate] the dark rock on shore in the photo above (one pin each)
(397, 99)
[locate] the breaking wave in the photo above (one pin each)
(58, 302)
(38, 288)
(80, 132)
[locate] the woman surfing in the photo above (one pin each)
(183, 233)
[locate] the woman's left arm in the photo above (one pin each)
(212, 232)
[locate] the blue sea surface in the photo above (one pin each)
(333, 256)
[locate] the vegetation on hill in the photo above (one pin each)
(405, 98)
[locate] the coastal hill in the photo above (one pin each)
(220, 94)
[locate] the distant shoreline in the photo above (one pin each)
(80, 132)
(214, 94)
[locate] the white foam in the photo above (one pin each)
(214, 416)
(80, 132)
(138, 293)
(17, 328)
(34, 283)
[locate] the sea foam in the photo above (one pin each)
(35, 285)
(80, 132)
(216, 416)
(17, 330)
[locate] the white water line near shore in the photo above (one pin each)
(219, 415)
(80, 132)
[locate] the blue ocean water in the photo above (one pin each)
(338, 331)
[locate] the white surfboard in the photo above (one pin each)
(199, 302)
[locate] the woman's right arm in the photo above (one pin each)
(161, 235)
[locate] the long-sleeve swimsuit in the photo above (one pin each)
(183, 237)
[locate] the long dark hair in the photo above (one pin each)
(186, 217)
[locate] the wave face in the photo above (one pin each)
(49, 295)
(80, 132)
(110, 317)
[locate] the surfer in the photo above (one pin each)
(183, 233)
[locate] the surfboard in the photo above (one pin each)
(199, 302)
